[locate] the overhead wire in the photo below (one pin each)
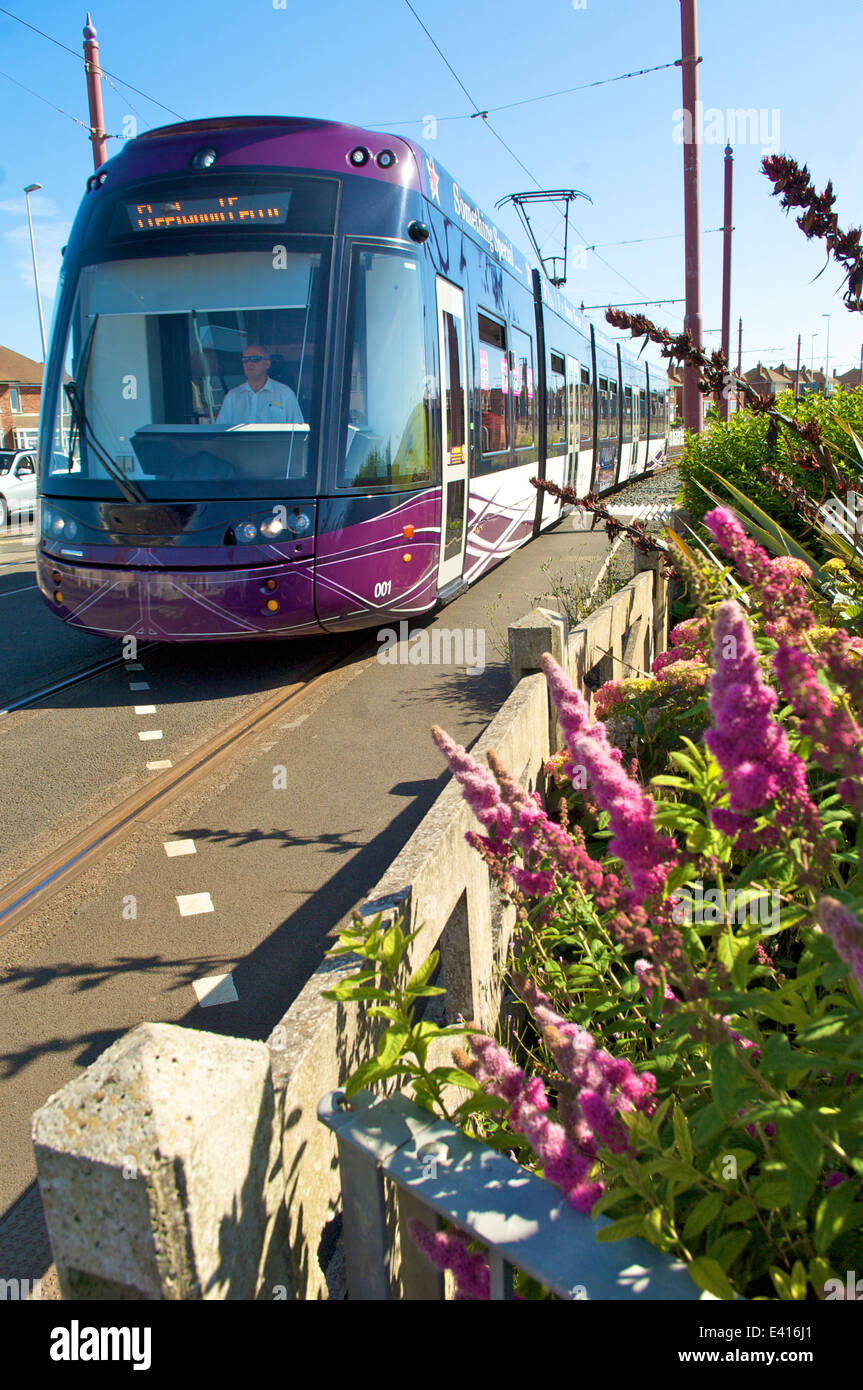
(81, 59)
(478, 111)
(527, 101)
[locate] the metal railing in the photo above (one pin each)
(440, 1173)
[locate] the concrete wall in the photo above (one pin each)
(187, 1165)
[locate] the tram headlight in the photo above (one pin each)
(247, 531)
(272, 527)
(58, 525)
(298, 522)
(359, 156)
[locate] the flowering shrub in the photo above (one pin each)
(690, 953)
(643, 715)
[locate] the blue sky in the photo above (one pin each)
(797, 63)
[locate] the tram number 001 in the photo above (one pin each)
(384, 588)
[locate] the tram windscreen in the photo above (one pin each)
(193, 376)
(384, 437)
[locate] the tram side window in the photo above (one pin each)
(453, 387)
(603, 408)
(384, 426)
(627, 413)
(613, 410)
(642, 414)
(556, 442)
(493, 393)
(523, 397)
(586, 430)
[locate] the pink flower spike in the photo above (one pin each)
(846, 933)
(479, 788)
(448, 1250)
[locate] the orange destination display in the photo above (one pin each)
(208, 212)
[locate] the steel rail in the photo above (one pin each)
(76, 678)
(38, 883)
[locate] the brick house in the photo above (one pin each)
(20, 399)
(767, 381)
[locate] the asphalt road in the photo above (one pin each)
(279, 840)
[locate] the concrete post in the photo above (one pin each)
(661, 606)
(159, 1171)
(540, 630)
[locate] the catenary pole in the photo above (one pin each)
(727, 229)
(692, 323)
(94, 93)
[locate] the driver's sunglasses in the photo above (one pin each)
(255, 359)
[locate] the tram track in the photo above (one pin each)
(76, 678)
(38, 883)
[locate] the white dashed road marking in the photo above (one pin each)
(145, 734)
(215, 989)
(145, 709)
(159, 764)
(175, 847)
(190, 904)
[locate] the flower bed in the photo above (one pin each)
(689, 949)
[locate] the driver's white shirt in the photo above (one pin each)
(274, 404)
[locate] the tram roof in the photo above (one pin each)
(325, 145)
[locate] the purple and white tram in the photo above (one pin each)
(416, 370)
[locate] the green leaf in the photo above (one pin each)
(798, 1139)
(682, 1137)
(701, 1215)
(727, 1077)
(622, 1229)
(392, 1043)
(455, 1076)
(831, 1214)
(800, 1188)
(708, 1275)
(423, 975)
(368, 1072)
(728, 1247)
(392, 948)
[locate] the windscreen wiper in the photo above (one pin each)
(130, 490)
(75, 396)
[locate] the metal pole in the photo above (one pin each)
(797, 373)
(31, 188)
(725, 403)
(94, 93)
(692, 398)
(827, 357)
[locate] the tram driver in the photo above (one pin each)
(260, 400)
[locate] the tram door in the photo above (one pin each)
(572, 418)
(454, 416)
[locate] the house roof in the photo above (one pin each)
(19, 370)
(851, 377)
(762, 373)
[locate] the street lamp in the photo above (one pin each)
(32, 188)
(827, 358)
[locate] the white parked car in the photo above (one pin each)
(17, 485)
